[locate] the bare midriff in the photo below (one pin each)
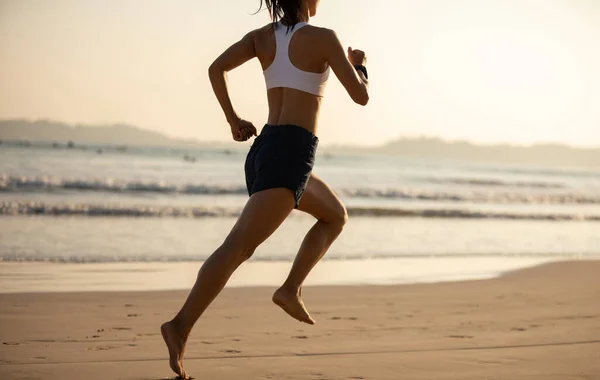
(290, 106)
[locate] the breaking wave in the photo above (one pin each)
(91, 210)
(50, 184)
(496, 183)
(18, 184)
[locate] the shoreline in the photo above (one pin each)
(34, 277)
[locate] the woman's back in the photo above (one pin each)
(291, 105)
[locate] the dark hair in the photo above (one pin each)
(287, 11)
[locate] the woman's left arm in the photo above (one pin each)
(237, 54)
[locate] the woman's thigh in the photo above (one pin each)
(263, 214)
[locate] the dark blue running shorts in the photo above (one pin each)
(281, 156)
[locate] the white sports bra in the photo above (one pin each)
(282, 73)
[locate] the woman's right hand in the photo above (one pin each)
(357, 57)
(242, 130)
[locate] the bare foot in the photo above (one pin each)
(176, 345)
(292, 304)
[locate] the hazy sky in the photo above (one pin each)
(517, 71)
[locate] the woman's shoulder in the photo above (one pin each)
(263, 30)
(321, 34)
(319, 30)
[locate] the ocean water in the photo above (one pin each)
(107, 205)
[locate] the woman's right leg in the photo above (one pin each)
(262, 215)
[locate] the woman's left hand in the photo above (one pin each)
(242, 130)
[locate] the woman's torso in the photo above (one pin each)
(288, 105)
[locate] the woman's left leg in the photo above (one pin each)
(322, 203)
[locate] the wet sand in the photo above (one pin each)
(538, 323)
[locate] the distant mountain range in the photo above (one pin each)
(122, 134)
(115, 134)
(542, 154)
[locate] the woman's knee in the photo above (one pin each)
(240, 249)
(338, 217)
(343, 217)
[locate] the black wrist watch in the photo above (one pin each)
(363, 69)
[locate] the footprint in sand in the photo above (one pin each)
(129, 305)
(339, 318)
(122, 328)
(322, 376)
(102, 348)
(232, 351)
(133, 315)
(40, 357)
(518, 329)
(300, 337)
(461, 336)
(580, 317)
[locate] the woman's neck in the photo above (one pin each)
(304, 16)
(301, 18)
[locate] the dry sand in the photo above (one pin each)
(540, 323)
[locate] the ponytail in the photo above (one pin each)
(287, 11)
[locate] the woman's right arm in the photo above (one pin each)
(237, 54)
(355, 82)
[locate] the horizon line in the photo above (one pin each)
(328, 145)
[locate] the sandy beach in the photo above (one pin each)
(537, 323)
